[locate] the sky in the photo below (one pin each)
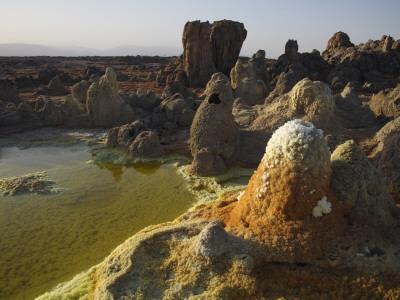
(102, 24)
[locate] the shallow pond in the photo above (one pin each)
(47, 239)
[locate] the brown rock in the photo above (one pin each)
(210, 48)
(79, 91)
(104, 105)
(385, 155)
(55, 88)
(338, 40)
(291, 48)
(386, 103)
(197, 54)
(146, 144)
(8, 92)
(226, 39)
(214, 133)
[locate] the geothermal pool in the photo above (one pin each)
(47, 239)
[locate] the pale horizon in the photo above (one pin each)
(103, 25)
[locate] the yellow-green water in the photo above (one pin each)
(47, 239)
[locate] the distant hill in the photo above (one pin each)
(21, 49)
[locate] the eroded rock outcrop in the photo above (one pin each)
(8, 92)
(174, 112)
(351, 112)
(338, 40)
(374, 64)
(79, 91)
(226, 38)
(249, 79)
(314, 100)
(104, 105)
(385, 155)
(214, 133)
(197, 55)
(386, 103)
(210, 48)
(293, 66)
(309, 100)
(146, 144)
(52, 113)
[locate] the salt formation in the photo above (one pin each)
(104, 105)
(291, 184)
(214, 134)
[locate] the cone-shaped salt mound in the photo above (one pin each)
(288, 199)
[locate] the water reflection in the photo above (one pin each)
(116, 170)
(148, 168)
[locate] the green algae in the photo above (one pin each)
(207, 189)
(47, 239)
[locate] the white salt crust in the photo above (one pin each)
(323, 207)
(291, 142)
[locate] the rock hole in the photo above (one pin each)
(214, 99)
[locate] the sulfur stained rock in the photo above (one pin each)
(214, 133)
(278, 206)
